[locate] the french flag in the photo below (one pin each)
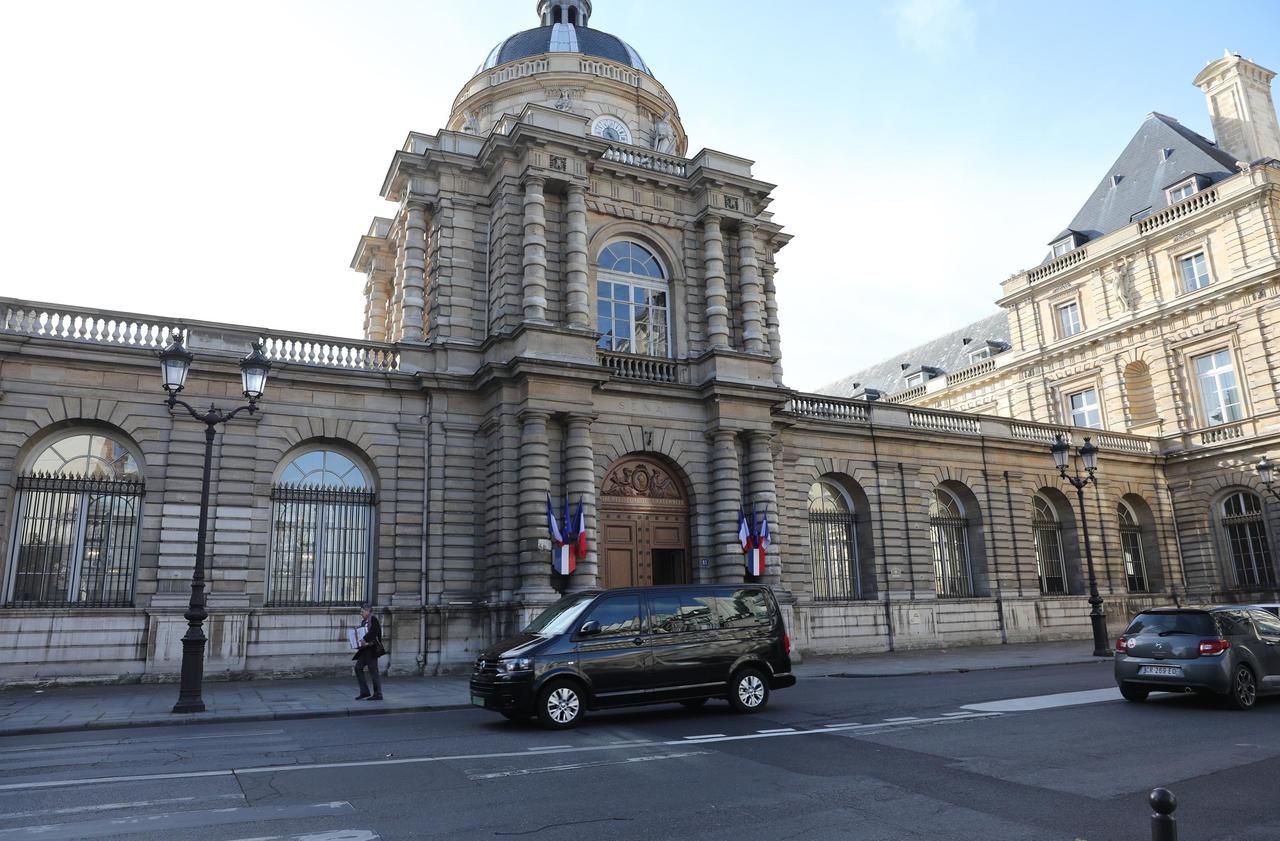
(562, 555)
(756, 544)
(581, 530)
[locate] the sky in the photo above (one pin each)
(219, 161)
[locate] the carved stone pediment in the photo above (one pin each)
(641, 479)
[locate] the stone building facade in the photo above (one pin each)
(563, 304)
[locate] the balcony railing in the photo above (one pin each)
(1192, 204)
(974, 371)
(828, 408)
(1066, 261)
(649, 369)
(645, 160)
(945, 422)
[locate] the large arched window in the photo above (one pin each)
(1047, 530)
(1135, 563)
(949, 534)
(1246, 538)
(77, 511)
(321, 531)
(632, 310)
(833, 543)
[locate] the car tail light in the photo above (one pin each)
(1214, 646)
(786, 643)
(1122, 644)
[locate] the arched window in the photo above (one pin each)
(322, 531)
(1047, 530)
(1246, 538)
(949, 534)
(833, 543)
(78, 513)
(632, 310)
(1135, 565)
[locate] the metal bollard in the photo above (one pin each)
(1164, 826)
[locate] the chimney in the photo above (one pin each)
(1240, 106)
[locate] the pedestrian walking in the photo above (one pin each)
(366, 657)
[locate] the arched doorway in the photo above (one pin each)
(644, 525)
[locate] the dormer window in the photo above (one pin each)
(1062, 246)
(1178, 192)
(918, 378)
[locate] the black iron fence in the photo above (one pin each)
(321, 545)
(835, 556)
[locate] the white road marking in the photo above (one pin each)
(1047, 702)
(846, 724)
(420, 760)
(333, 835)
(107, 807)
(174, 820)
(778, 730)
(124, 742)
(706, 736)
(904, 718)
(575, 766)
(550, 747)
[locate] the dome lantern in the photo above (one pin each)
(573, 12)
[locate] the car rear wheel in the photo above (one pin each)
(560, 705)
(1133, 693)
(748, 691)
(1244, 688)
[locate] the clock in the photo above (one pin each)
(611, 128)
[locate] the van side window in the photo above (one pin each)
(696, 613)
(675, 613)
(744, 609)
(665, 617)
(617, 615)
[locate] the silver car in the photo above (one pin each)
(1232, 650)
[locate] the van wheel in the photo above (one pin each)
(694, 703)
(560, 705)
(1133, 693)
(1244, 688)
(748, 691)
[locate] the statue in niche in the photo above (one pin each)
(664, 135)
(1119, 279)
(471, 122)
(565, 101)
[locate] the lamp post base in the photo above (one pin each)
(196, 706)
(1101, 645)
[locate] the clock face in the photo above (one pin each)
(611, 128)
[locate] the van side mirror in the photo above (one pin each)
(589, 628)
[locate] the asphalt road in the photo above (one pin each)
(957, 756)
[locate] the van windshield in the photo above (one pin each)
(560, 616)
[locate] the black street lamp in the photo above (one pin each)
(175, 362)
(1265, 470)
(1088, 456)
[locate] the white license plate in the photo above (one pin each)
(477, 700)
(1166, 671)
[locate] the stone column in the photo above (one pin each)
(762, 494)
(579, 310)
(415, 272)
(581, 484)
(535, 250)
(774, 326)
(752, 293)
(377, 303)
(534, 482)
(717, 294)
(726, 492)
(395, 321)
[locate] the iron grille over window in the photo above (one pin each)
(835, 558)
(76, 543)
(321, 543)
(1135, 565)
(949, 534)
(1048, 538)
(1246, 537)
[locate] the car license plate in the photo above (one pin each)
(1166, 671)
(477, 700)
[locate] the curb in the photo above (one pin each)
(222, 718)
(963, 669)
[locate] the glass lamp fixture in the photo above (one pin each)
(1061, 452)
(1265, 471)
(1089, 455)
(253, 373)
(175, 362)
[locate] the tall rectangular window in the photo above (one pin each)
(320, 545)
(1219, 392)
(1195, 272)
(1085, 410)
(1069, 320)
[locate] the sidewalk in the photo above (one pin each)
(77, 708)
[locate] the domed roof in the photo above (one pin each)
(565, 38)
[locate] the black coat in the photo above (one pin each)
(371, 647)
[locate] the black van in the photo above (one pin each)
(639, 645)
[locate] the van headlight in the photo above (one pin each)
(510, 665)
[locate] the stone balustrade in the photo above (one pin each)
(827, 408)
(1191, 204)
(1066, 261)
(147, 332)
(1219, 434)
(908, 395)
(972, 372)
(630, 366)
(944, 422)
(644, 159)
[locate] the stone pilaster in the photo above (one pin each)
(762, 496)
(395, 322)
(534, 481)
(579, 310)
(726, 490)
(771, 320)
(377, 305)
(415, 272)
(581, 484)
(717, 293)
(753, 338)
(535, 251)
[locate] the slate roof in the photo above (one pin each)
(564, 38)
(947, 353)
(1145, 173)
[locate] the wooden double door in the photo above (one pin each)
(644, 526)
